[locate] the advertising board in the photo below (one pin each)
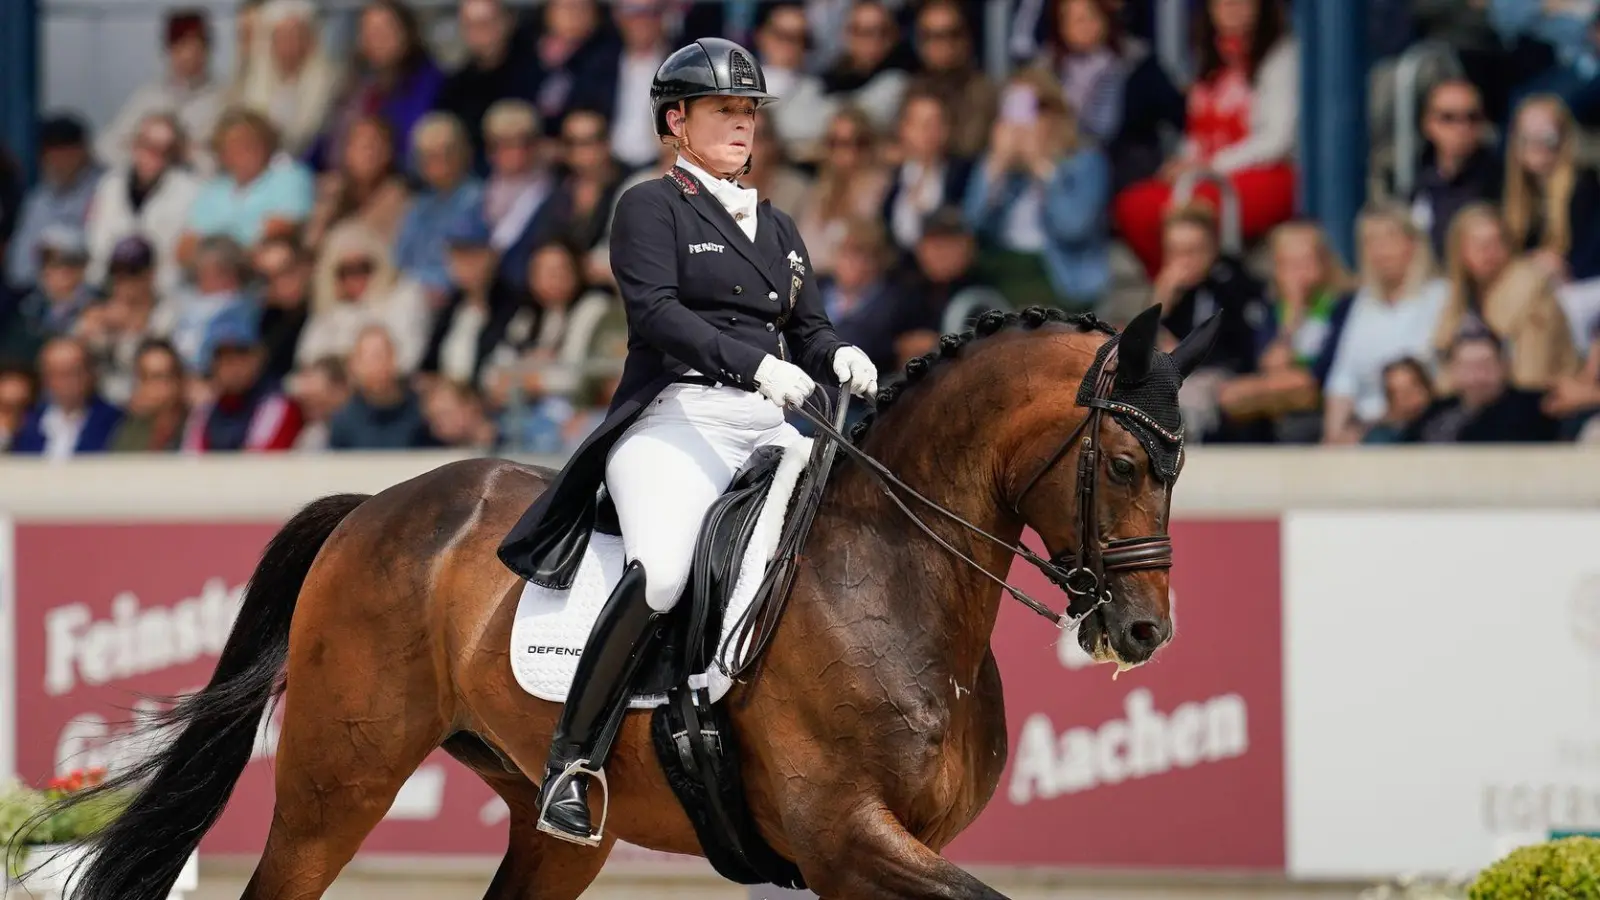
(1176, 764)
(1444, 685)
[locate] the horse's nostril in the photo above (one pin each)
(1147, 634)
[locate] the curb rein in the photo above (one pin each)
(1082, 574)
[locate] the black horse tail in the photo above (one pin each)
(181, 790)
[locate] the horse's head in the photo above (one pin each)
(1098, 454)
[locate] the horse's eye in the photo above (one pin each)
(1122, 470)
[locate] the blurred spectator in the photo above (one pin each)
(186, 89)
(519, 202)
(1310, 304)
(499, 66)
(1149, 110)
(801, 115)
(927, 177)
(1496, 64)
(367, 187)
(284, 268)
(17, 392)
(1242, 124)
(321, 390)
(474, 319)
(1513, 298)
(1038, 201)
(851, 183)
(558, 423)
(383, 413)
(70, 418)
(1572, 29)
(67, 181)
(1575, 399)
(247, 410)
(288, 78)
(1552, 203)
(220, 271)
(1485, 408)
(949, 71)
(942, 281)
(1197, 281)
(392, 76)
(116, 328)
(870, 75)
(577, 62)
(246, 15)
(1090, 65)
(588, 192)
(156, 411)
(455, 417)
(1458, 166)
(633, 140)
(543, 350)
(1407, 393)
(356, 287)
(149, 198)
(449, 192)
(862, 302)
(53, 308)
(1393, 316)
(256, 192)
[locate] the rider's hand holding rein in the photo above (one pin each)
(856, 371)
(785, 384)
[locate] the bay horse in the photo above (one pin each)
(873, 734)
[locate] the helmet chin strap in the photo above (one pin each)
(697, 159)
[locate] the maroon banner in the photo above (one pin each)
(109, 613)
(1175, 764)
(1178, 763)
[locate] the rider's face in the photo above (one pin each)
(720, 130)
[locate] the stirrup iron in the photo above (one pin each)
(578, 767)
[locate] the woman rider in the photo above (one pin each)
(726, 329)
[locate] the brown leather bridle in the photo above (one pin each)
(1082, 572)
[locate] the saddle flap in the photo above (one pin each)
(720, 549)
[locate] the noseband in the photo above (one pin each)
(1081, 572)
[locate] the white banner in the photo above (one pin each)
(1442, 686)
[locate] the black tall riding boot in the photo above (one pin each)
(594, 709)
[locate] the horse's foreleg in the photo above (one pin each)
(871, 856)
(537, 866)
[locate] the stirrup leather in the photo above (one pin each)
(577, 767)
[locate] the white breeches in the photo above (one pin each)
(673, 462)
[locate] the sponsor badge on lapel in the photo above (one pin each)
(795, 263)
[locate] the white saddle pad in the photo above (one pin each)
(552, 626)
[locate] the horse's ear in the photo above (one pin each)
(1194, 349)
(1138, 345)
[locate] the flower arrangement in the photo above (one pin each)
(1566, 868)
(35, 818)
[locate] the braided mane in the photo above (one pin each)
(950, 347)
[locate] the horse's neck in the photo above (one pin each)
(883, 567)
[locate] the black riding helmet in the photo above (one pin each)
(709, 67)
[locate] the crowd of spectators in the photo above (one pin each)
(369, 247)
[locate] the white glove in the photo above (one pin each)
(785, 384)
(856, 371)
